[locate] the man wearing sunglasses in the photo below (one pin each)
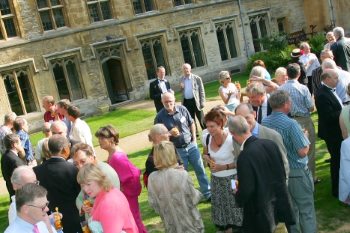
(31, 206)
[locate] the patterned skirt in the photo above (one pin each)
(224, 210)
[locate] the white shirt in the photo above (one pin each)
(21, 226)
(81, 132)
(344, 171)
(306, 59)
(342, 85)
(223, 156)
(230, 88)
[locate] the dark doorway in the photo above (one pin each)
(115, 80)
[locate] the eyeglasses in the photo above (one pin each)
(40, 207)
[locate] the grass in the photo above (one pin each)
(332, 216)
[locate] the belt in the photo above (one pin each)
(184, 145)
(295, 116)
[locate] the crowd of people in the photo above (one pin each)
(259, 146)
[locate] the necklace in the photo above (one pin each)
(221, 139)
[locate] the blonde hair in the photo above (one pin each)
(164, 155)
(280, 71)
(223, 75)
(46, 154)
(90, 172)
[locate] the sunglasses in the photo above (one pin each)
(40, 207)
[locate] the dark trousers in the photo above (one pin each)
(158, 104)
(191, 106)
(309, 84)
(333, 147)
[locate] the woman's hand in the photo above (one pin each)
(217, 167)
(86, 209)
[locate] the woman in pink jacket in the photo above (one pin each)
(110, 212)
(129, 175)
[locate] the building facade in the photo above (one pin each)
(99, 53)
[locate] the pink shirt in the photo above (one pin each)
(111, 209)
(129, 175)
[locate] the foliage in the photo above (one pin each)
(317, 42)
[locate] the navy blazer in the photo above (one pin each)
(59, 177)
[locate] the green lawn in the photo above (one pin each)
(331, 214)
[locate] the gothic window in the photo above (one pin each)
(51, 14)
(153, 55)
(226, 39)
(8, 27)
(182, 2)
(281, 25)
(67, 78)
(99, 10)
(19, 91)
(142, 6)
(258, 27)
(192, 47)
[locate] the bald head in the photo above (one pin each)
(158, 133)
(329, 64)
(246, 110)
(22, 175)
(58, 127)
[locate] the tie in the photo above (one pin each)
(36, 229)
(259, 114)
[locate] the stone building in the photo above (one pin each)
(99, 53)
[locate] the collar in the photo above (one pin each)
(255, 130)
(24, 224)
(188, 77)
(242, 146)
(330, 88)
(161, 80)
(176, 110)
(292, 81)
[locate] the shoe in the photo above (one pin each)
(327, 160)
(317, 180)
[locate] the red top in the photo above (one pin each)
(48, 116)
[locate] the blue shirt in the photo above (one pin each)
(300, 96)
(22, 226)
(181, 119)
(188, 92)
(255, 131)
(292, 135)
(26, 144)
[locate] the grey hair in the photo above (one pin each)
(338, 32)
(278, 99)
(258, 71)
(28, 193)
(328, 73)
(304, 45)
(326, 52)
(328, 64)
(17, 174)
(10, 117)
(238, 125)
(168, 94)
(158, 129)
(57, 143)
(59, 124)
(256, 88)
(242, 105)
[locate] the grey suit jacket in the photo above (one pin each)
(267, 133)
(198, 91)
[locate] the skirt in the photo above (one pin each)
(224, 210)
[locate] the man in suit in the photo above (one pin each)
(246, 110)
(158, 87)
(59, 177)
(258, 99)
(10, 160)
(329, 106)
(262, 190)
(341, 49)
(193, 94)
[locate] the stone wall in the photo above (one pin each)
(81, 38)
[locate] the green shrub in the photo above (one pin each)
(317, 42)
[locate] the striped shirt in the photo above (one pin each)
(300, 96)
(292, 135)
